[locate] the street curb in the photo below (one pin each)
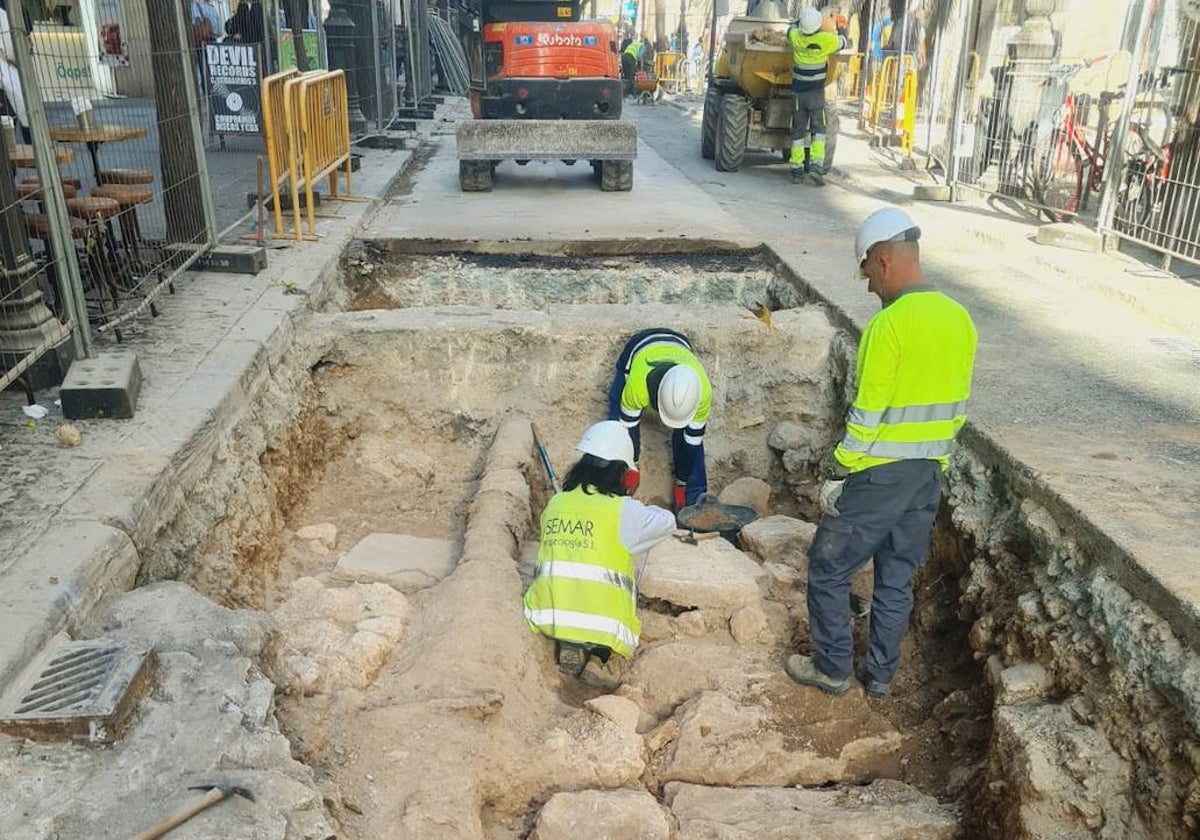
(77, 563)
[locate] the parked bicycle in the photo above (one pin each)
(1065, 167)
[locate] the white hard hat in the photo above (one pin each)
(881, 226)
(609, 441)
(678, 396)
(810, 20)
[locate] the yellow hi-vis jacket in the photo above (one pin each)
(915, 361)
(584, 588)
(810, 57)
(635, 396)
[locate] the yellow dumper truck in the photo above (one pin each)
(749, 102)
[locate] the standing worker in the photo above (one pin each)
(630, 56)
(658, 370)
(584, 590)
(915, 361)
(812, 45)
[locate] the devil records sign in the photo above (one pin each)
(234, 88)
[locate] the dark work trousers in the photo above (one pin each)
(885, 512)
(696, 480)
(808, 126)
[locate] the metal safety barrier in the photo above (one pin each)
(883, 88)
(852, 81)
(316, 111)
(906, 114)
(276, 137)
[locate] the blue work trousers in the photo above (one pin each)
(885, 512)
(688, 461)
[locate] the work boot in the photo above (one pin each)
(814, 175)
(802, 670)
(874, 688)
(797, 174)
(572, 658)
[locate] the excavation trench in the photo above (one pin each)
(437, 709)
(380, 506)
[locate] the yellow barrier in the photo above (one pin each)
(276, 137)
(853, 76)
(317, 111)
(668, 66)
(906, 120)
(883, 86)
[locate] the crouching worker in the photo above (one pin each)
(584, 590)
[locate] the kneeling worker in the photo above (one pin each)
(658, 370)
(584, 590)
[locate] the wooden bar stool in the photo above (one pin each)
(128, 197)
(90, 233)
(126, 176)
(30, 189)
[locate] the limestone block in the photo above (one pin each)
(602, 815)
(711, 575)
(1023, 683)
(325, 533)
(1060, 778)
(171, 616)
(883, 810)
(783, 581)
(663, 677)
(691, 623)
(780, 539)
(336, 638)
(748, 624)
(804, 739)
(620, 710)
(403, 562)
(749, 491)
(788, 435)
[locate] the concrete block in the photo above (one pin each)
(403, 562)
(107, 386)
(546, 140)
(232, 259)
(1070, 235)
(931, 192)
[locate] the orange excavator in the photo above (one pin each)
(544, 86)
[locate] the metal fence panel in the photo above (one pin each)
(120, 99)
(1155, 188)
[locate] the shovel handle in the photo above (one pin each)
(182, 815)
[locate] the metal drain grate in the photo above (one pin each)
(81, 690)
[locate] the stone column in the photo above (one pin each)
(25, 322)
(1030, 54)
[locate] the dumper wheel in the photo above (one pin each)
(732, 132)
(475, 175)
(708, 123)
(616, 175)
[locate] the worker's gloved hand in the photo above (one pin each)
(829, 494)
(678, 499)
(631, 480)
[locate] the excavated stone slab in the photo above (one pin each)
(883, 810)
(546, 140)
(780, 539)
(749, 491)
(402, 562)
(1023, 683)
(602, 814)
(710, 575)
(786, 738)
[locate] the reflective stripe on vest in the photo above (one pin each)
(914, 367)
(563, 622)
(585, 571)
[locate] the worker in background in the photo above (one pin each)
(812, 44)
(584, 590)
(657, 370)
(914, 367)
(630, 56)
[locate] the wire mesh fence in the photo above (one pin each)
(117, 103)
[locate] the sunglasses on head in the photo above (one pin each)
(910, 235)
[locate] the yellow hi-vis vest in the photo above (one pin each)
(915, 361)
(635, 396)
(584, 589)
